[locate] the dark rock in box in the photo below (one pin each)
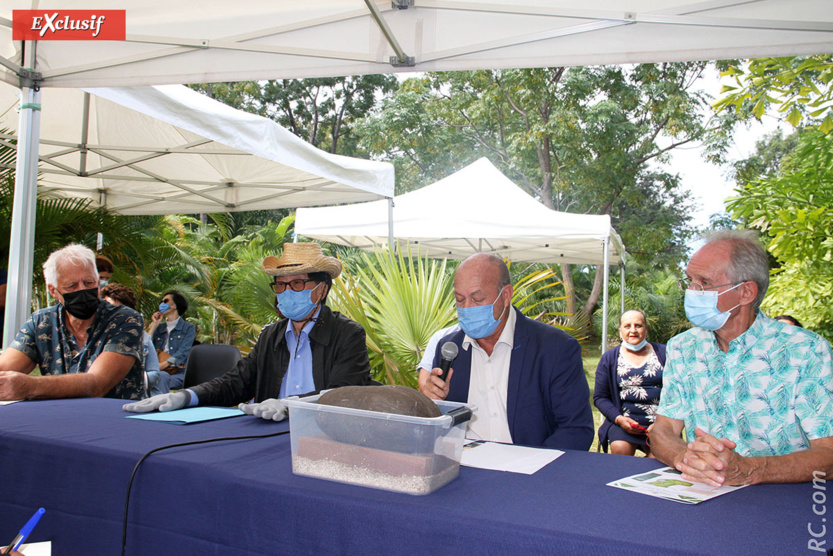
(378, 432)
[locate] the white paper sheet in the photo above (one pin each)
(668, 483)
(507, 457)
(35, 548)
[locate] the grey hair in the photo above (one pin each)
(74, 254)
(748, 261)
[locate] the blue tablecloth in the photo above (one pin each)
(74, 458)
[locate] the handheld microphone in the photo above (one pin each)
(448, 353)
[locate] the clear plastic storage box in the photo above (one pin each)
(416, 455)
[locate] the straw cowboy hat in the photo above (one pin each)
(301, 258)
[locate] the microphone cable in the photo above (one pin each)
(159, 449)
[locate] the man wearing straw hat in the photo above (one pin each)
(311, 349)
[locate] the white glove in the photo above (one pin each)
(272, 408)
(162, 402)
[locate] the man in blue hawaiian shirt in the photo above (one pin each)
(755, 395)
(85, 347)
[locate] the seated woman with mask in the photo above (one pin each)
(628, 384)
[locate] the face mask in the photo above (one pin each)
(103, 283)
(479, 321)
(701, 308)
(636, 347)
(164, 307)
(296, 305)
(81, 304)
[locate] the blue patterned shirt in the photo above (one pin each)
(45, 340)
(771, 393)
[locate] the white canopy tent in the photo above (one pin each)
(476, 209)
(188, 41)
(168, 150)
(171, 150)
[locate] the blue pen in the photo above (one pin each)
(18, 540)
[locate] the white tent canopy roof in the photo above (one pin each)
(169, 150)
(216, 40)
(476, 209)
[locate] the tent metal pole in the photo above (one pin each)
(606, 246)
(22, 239)
(85, 130)
(102, 201)
(622, 287)
(390, 225)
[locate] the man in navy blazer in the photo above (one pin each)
(525, 377)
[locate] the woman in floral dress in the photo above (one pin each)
(628, 384)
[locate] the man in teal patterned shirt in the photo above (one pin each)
(85, 347)
(755, 395)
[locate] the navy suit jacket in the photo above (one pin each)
(548, 400)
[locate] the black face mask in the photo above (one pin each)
(82, 304)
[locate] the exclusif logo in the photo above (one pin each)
(68, 25)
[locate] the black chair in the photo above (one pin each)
(208, 361)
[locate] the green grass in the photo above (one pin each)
(590, 359)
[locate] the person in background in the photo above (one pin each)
(628, 384)
(427, 361)
(753, 394)
(310, 349)
(525, 377)
(173, 342)
(122, 295)
(105, 269)
(84, 347)
(788, 320)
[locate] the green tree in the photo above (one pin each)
(766, 160)
(793, 208)
(321, 111)
(798, 87)
(579, 140)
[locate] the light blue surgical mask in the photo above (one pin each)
(636, 347)
(103, 283)
(164, 307)
(479, 321)
(701, 308)
(296, 305)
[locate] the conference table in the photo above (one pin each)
(240, 497)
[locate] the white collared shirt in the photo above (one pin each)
(489, 385)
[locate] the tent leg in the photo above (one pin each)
(606, 244)
(622, 288)
(390, 225)
(22, 241)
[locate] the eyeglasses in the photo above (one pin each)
(294, 285)
(687, 284)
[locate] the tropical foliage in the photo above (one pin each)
(400, 301)
(793, 208)
(798, 87)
